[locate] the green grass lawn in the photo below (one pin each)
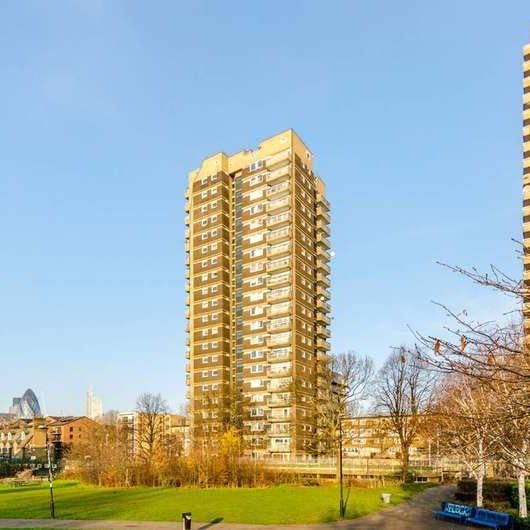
(282, 504)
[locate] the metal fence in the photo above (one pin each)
(367, 467)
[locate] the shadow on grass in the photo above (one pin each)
(9, 488)
(332, 514)
(213, 522)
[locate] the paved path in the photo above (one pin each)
(412, 515)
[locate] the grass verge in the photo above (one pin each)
(283, 504)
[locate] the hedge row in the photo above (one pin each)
(493, 490)
(9, 469)
(522, 524)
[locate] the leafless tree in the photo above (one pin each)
(101, 457)
(496, 355)
(484, 350)
(510, 428)
(466, 419)
(149, 432)
(343, 383)
(404, 392)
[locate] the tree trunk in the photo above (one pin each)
(521, 489)
(480, 473)
(405, 464)
(480, 484)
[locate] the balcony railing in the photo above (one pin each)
(323, 279)
(321, 212)
(279, 157)
(277, 204)
(278, 294)
(280, 417)
(323, 331)
(279, 340)
(322, 240)
(322, 265)
(279, 279)
(279, 358)
(281, 218)
(322, 226)
(323, 344)
(323, 306)
(321, 317)
(278, 264)
(279, 174)
(285, 326)
(322, 253)
(277, 189)
(322, 292)
(321, 200)
(280, 402)
(278, 235)
(279, 309)
(278, 249)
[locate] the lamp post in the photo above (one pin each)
(50, 472)
(342, 507)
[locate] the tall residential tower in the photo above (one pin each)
(257, 256)
(526, 191)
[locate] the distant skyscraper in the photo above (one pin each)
(94, 407)
(25, 407)
(257, 281)
(526, 190)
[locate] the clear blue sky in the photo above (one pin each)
(413, 110)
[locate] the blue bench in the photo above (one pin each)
(490, 519)
(455, 512)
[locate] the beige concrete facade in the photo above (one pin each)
(257, 254)
(170, 430)
(526, 189)
(373, 437)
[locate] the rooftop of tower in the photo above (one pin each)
(220, 161)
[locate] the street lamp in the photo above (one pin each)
(342, 507)
(50, 472)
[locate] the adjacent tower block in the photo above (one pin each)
(526, 193)
(257, 270)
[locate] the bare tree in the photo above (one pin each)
(483, 350)
(497, 356)
(342, 381)
(404, 392)
(343, 384)
(149, 432)
(101, 457)
(466, 420)
(511, 430)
